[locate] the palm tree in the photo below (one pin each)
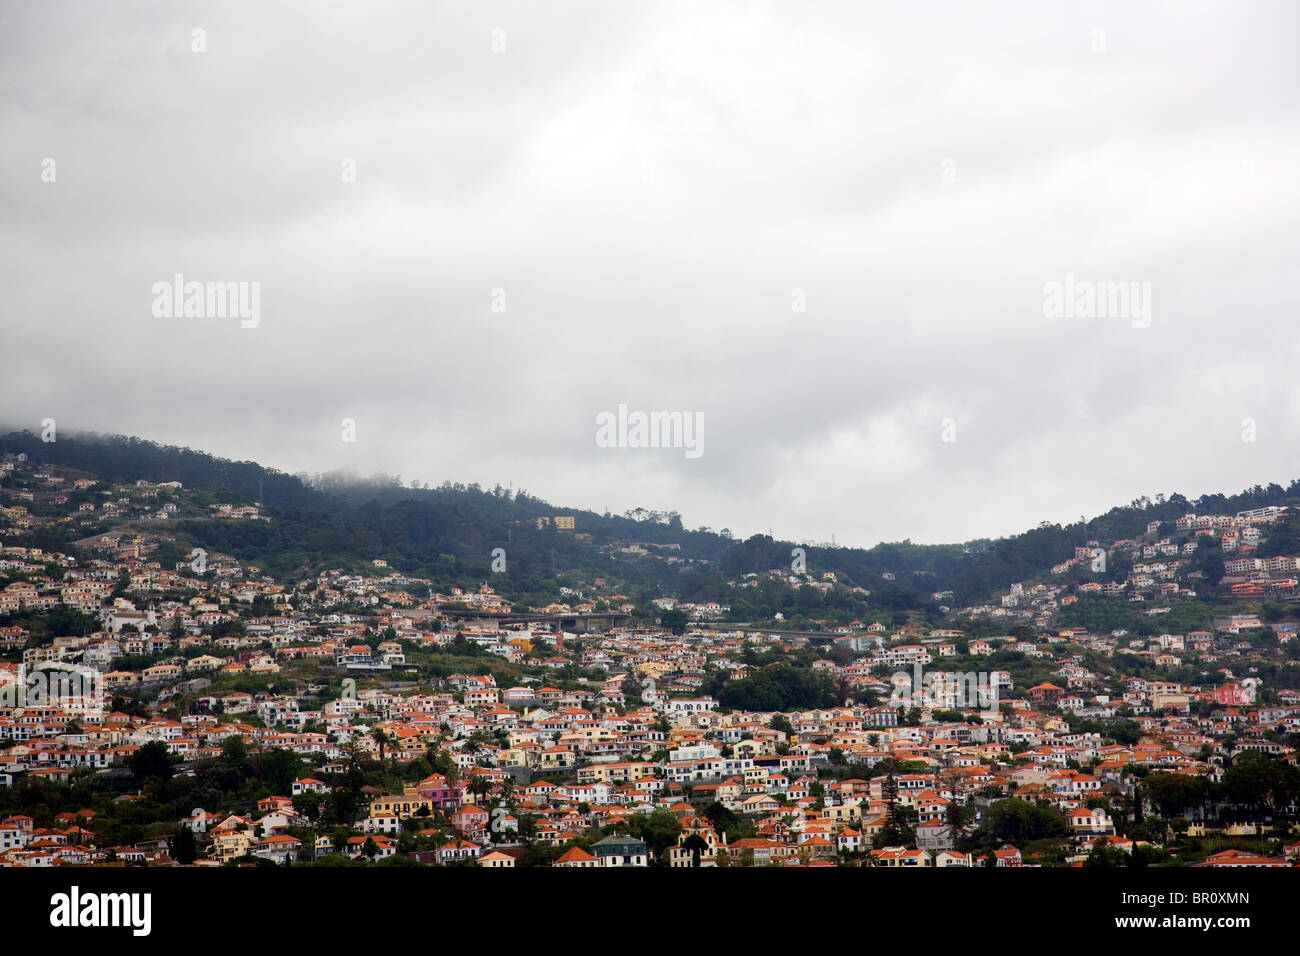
(479, 785)
(381, 738)
(697, 845)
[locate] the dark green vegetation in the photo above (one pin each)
(778, 687)
(448, 533)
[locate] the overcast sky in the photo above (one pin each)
(658, 188)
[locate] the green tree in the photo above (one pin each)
(659, 829)
(1256, 782)
(1016, 821)
(1104, 855)
(279, 768)
(896, 831)
(152, 761)
(307, 805)
(674, 619)
(697, 845)
(184, 848)
(380, 737)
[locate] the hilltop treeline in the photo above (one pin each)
(448, 532)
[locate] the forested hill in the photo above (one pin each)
(448, 532)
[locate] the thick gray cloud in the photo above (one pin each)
(656, 187)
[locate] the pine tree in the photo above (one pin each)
(184, 849)
(895, 832)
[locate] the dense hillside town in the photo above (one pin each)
(166, 703)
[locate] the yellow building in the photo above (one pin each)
(232, 844)
(401, 805)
